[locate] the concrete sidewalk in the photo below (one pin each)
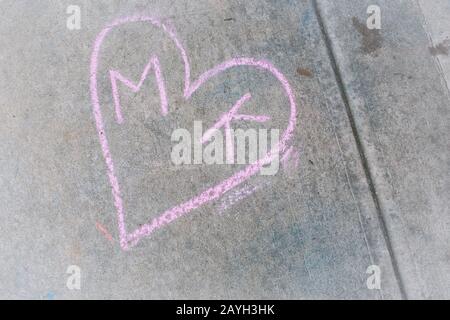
(365, 183)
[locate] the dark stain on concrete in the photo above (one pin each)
(372, 40)
(305, 72)
(441, 48)
(403, 76)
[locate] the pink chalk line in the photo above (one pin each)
(115, 75)
(290, 159)
(127, 240)
(225, 120)
(232, 198)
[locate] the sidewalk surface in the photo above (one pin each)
(363, 184)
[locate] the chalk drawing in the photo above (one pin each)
(116, 75)
(233, 197)
(104, 231)
(129, 239)
(225, 120)
(50, 295)
(290, 160)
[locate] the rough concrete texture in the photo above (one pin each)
(400, 104)
(370, 187)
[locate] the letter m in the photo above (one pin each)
(115, 75)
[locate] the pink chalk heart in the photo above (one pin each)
(128, 240)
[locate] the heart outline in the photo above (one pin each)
(128, 240)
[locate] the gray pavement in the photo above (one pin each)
(370, 187)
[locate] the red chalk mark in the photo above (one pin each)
(104, 231)
(128, 240)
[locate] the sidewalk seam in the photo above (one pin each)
(360, 148)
